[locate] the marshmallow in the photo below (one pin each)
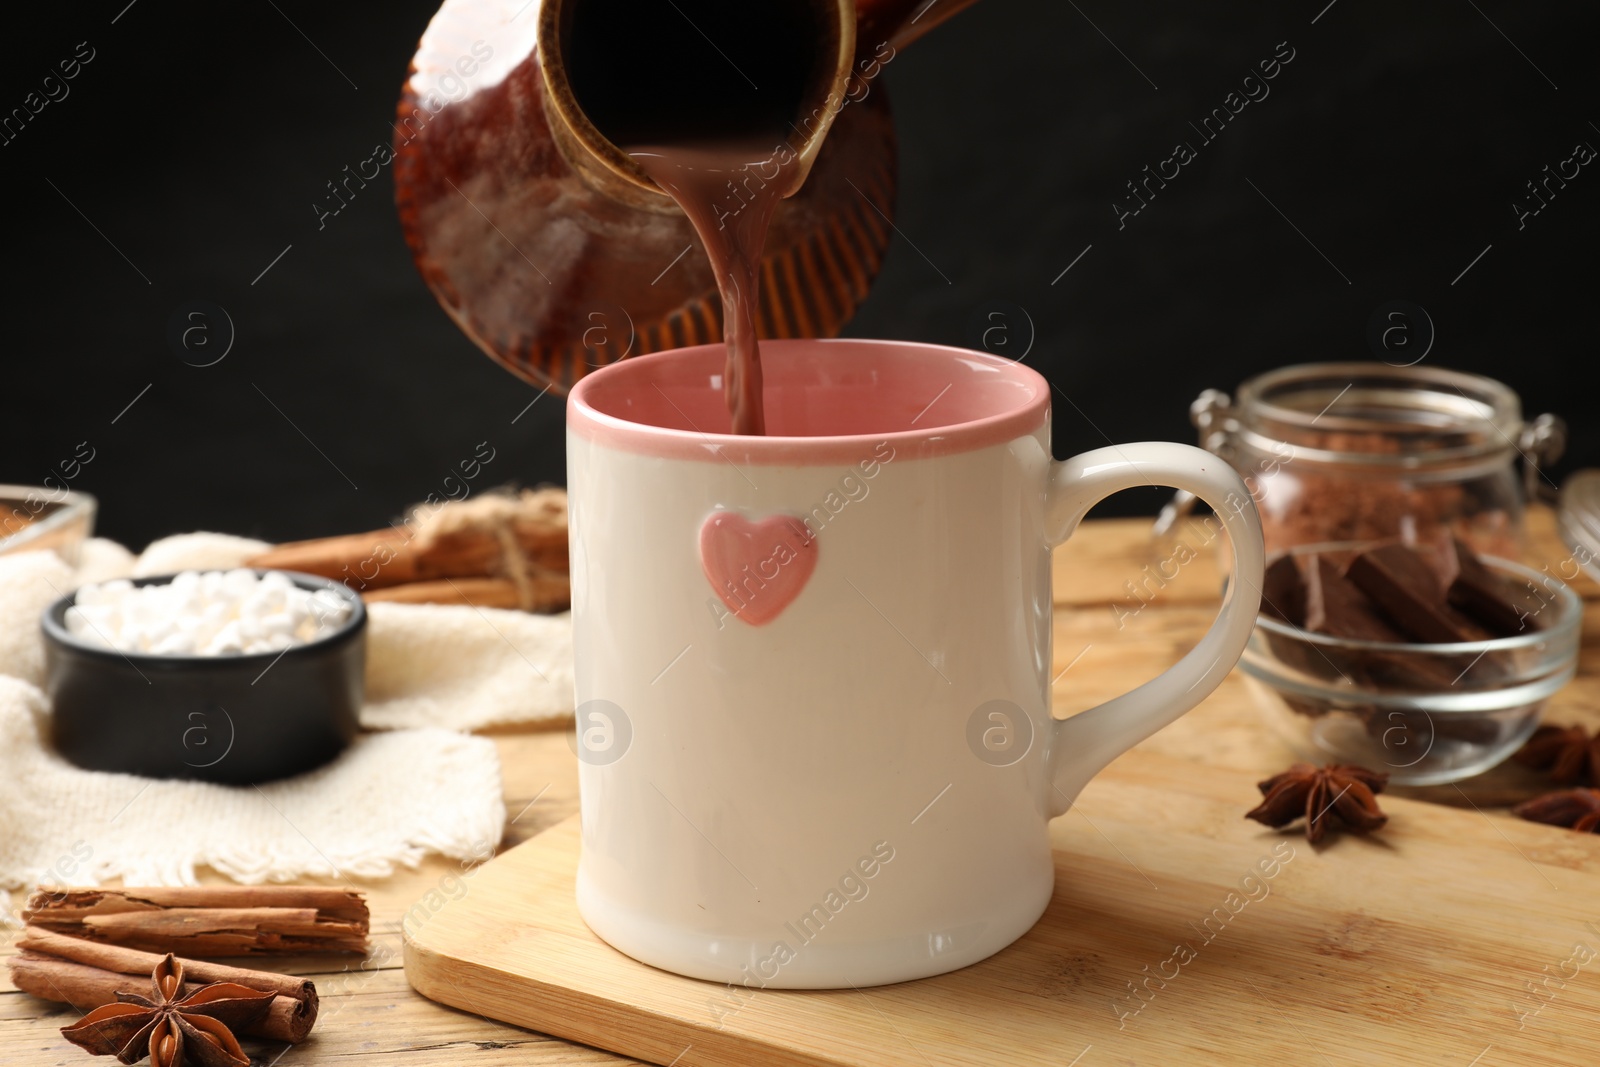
(205, 614)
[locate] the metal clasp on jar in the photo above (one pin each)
(1213, 416)
(1541, 444)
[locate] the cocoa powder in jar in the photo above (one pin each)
(1358, 452)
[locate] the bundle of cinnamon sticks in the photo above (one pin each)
(85, 946)
(86, 975)
(498, 550)
(207, 920)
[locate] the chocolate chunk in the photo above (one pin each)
(1484, 595)
(1323, 599)
(1415, 672)
(1283, 591)
(1311, 709)
(1406, 589)
(1441, 555)
(1335, 607)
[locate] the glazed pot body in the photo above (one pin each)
(556, 255)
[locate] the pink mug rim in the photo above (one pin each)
(1019, 420)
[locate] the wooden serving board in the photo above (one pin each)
(1453, 937)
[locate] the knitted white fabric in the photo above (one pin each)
(458, 668)
(465, 668)
(29, 582)
(390, 799)
(100, 560)
(196, 552)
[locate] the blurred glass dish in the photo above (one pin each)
(1579, 523)
(33, 518)
(1424, 713)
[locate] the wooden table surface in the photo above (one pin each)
(1106, 642)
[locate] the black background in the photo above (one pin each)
(200, 135)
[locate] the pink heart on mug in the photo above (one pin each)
(758, 567)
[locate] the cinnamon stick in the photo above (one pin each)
(86, 988)
(549, 592)
(86, 975)
(463, 540)
(135, 961)
(208, 920)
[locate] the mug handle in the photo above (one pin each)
(1080, 747)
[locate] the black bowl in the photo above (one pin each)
(232, 719)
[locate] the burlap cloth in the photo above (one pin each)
(421, 785)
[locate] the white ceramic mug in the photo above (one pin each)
(814, 667)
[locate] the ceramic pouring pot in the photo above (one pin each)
(556, 254)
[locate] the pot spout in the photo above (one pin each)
(899, 22)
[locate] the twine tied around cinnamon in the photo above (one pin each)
(504, 549)
(496, 514)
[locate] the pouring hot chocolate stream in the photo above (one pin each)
(706, 99)
(703, 181)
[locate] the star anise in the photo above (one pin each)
(1338, 796)
(1568, 753)
(173, 1029)
(1576, 809)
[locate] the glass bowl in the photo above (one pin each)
(33, 517)
(1426, 714)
